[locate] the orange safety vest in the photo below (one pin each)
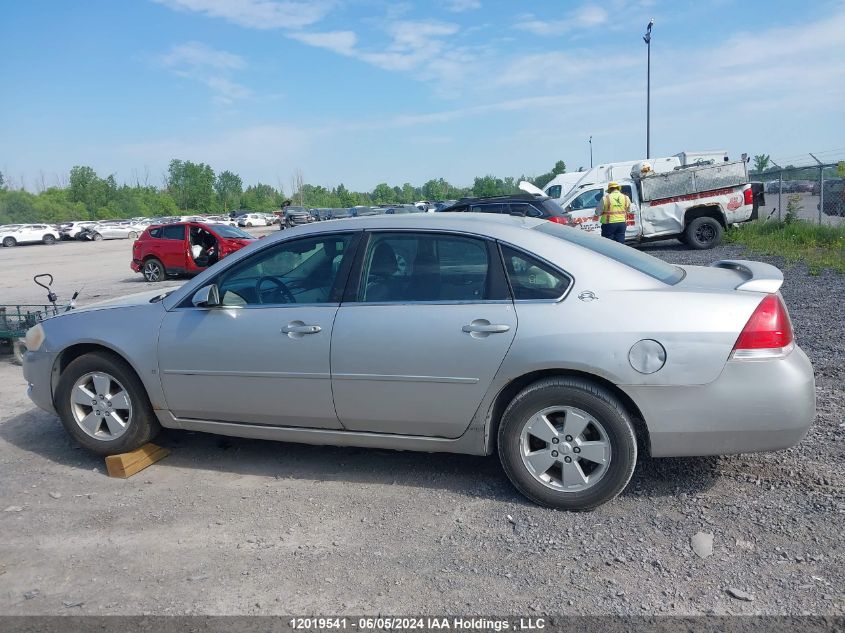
(614, 207)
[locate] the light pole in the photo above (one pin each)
(591, 151)
(647, 39)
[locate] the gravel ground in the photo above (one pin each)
(225, 526)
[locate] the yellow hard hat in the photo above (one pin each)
(613, 185)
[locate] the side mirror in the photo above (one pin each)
(206, 297)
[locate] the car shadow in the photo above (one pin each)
(40, 433)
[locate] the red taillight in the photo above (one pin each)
(749, 196)
(558, 219)
(768, 332)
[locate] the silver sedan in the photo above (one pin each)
(563, 352)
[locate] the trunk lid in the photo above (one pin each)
(732, 274)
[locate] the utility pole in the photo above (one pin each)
(780, 187)
(647, 40)
(821, 187)
(591, 151)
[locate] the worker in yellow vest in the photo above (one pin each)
(615, 206)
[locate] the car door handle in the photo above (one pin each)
(298, 327)
(482, 326)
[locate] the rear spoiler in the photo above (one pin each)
(760, 277)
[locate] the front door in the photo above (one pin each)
(263, 356)
(430, 324)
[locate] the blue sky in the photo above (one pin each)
(365, 91)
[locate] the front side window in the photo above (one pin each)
(553, 191)
(173, 232)
(587, 200)
(299, 271)
(532, 279)
(425, 267)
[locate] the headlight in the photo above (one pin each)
(34, 338)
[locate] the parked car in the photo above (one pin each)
(111, 230)
(70, 230)
(252, 219)
(28, 234)
(517, 204)
(295, 216)
(219, 219)
(184, 248)
(419, 349)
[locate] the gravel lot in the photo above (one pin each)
(225, 526)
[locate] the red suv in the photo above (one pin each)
(184, 248)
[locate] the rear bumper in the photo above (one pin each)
(136, 265)
(753, 406)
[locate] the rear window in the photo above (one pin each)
(651, 266)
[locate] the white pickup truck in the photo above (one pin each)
(693, 204)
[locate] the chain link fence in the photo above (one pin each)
(815, 193)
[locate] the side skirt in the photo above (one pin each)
(471, 443)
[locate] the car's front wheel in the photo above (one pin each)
(103, 405)
(567, 443)
(9, 242)
(97, 237)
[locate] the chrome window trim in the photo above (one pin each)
(432, 303)
(258, 306)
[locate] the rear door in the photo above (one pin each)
(416, 347)
(172, 247)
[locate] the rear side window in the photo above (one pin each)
(531, 279)
(495, 207)
(425, 267)
(155, 232)
(523, 208)
(173, 232)
(651, 266)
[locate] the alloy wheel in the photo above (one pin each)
(705, 233)
(565, 449)
(152, 271)
(100, 406)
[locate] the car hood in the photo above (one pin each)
(138, 298)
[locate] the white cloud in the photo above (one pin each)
(257, 14)
(459, 6)
(342, 42)
(586, 17)
(211, 67)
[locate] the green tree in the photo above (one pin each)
(2, 182)
(229, 188)
(761, 162)
(261, 197)
(191, 185)
(409, 193)
(382, 194)
(91, 190)
(544, 179)
(436, 189)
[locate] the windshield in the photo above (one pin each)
(224, 230)
(651, 266)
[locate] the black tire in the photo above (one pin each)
(143, 425)
(9, 242)
(249, 224)
(590, 398)
(703, 233)
(48, 239)
(147, 270)
(97, 237)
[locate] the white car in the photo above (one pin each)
(29, 234)
(252, 219)
(70, 230)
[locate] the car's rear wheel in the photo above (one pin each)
(153, 270)
(567, 443)
(703, 233)
(249, 224)
(9, 242)
(48, 239)
(103, 405)
(133, 235)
